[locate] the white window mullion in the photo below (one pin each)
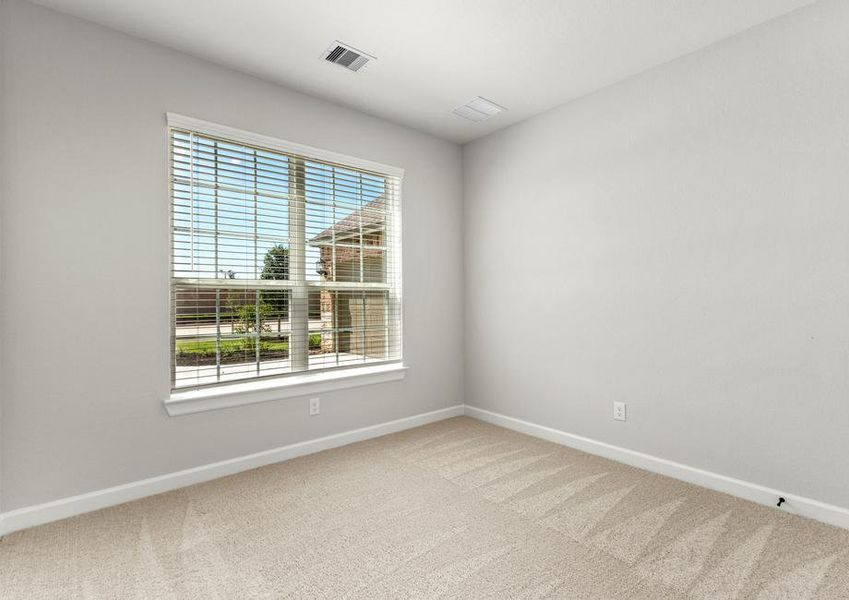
(299, 302)
(218, 335)
(192, 199)
(334, 295)
(215, 266)
(257, 326)
(257, 294)
(393, 260)
(363, 312)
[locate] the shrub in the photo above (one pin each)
(315, 341)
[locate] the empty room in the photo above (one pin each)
(484, 299)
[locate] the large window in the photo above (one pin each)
(281, 262)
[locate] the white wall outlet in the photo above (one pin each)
(619, 411)
(315, 406)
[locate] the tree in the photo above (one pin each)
(245, 319)
(276, 263)
(276, 266)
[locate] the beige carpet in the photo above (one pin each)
(456, 509)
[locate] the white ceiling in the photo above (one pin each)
(527, 55)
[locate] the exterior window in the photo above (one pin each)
(280, 263)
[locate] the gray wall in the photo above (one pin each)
(679, 241)
(85, 266)
(2, 210)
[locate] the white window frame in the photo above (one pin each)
(225, 395)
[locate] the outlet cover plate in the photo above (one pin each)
(619, 411)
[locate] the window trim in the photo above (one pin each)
(262, 389)
(254, 391)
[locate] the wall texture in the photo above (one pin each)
(85, 259)
(3, 13)
(679, 241)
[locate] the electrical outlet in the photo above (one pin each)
(315, 406)
(619, 411)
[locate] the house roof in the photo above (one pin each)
(371, 215)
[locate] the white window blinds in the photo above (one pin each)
(280, 263)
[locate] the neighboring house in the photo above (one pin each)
(360, 317)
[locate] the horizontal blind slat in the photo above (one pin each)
(239, 308)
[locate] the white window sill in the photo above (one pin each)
(227, 396)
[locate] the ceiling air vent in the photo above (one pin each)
(478, 109)
(346, 56)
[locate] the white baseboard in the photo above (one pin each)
(31, 516)
(798, 505)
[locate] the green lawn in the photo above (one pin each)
(229, 347)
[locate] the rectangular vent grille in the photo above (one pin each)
(478, 109)
(345, 56)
